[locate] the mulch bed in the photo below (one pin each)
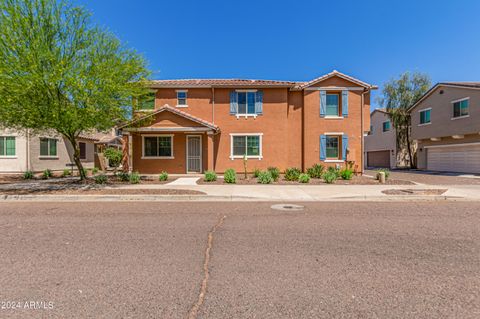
(101, 191)
(356, 180)
(414, 191)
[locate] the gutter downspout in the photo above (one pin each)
(363, 130)
(213, 105)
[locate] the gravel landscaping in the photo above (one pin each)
(100, 191)
(356, 180)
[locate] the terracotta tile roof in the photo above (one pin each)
(335, 73)
(95, 136)
(186, 83)
(176, 111)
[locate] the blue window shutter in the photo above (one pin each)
(233, 102)
(345, 103)
(259, 102)
(323, 147)
(323, 103)
(344, 146)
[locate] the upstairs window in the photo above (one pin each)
(332, 105)
(460, 108)
(386, 126)
(7, 145)
(182, 98)
(246, 103)
(48, 147)
(425, 116)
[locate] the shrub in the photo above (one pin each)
(291, 174)
(124, 176)
(265, 177)
(66, 172)
(275, 172)
(385, 170)
(329, 176)
(28, 175)
(134, 178)
(335, 171)
(47, 174)
(100, 179)
(304, 178)
(94, 170)
(315, 171)
(230, 176)
(256, 172)
(163, 176)
(210, 176)
(346, 174)
(114, 156)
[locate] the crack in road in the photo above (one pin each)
(203, 290)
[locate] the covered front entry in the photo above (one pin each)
(194, 154)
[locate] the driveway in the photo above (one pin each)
(330, 260)
(432, 177)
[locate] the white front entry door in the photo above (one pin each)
(194, 154)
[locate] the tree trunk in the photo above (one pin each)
(76, 157)
(410, 157)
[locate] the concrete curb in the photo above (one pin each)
(213, 198)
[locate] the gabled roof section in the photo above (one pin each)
(381, 110)
(168, 108)
(465, 85)
(304, 85)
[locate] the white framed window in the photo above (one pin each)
(182, 98)
(7, 146)
(48, 147)
(333, 102)
(460, 108)
(425, 116)
(246, 144)
(332, 147)
(157, 146)
(246, 102)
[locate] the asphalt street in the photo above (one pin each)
(330, 260)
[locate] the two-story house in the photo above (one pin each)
(212, 124)
(446, 125)
(380, 143)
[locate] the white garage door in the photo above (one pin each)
(454, 159)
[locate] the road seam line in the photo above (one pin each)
(203, 290)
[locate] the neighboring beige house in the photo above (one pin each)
(446, 125)
(21, 151)
(380, 143)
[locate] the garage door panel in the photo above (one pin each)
(378, 159)
(454, 159)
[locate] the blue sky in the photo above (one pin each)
(299, 40)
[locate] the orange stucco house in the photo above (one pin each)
(210, 124)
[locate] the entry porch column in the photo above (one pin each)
(210, 151)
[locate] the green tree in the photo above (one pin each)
(398, 96)
(60, 72)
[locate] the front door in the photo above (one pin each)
(194, 154)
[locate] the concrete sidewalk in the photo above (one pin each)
(273, 193)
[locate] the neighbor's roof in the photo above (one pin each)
(176, 111)
(238, 83)
(382, 110)
(466, 85)
(95, 136)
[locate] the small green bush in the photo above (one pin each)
(66, 172)
(210, 176)
(134, 178)
(100, 179)
(124, 176)
(315, 171)
(275, 172)
(335, 171)
(292, 174)
(230, 176)
(385, 170)
(47, 174)
(256, 172)
(265, 177)
(329, 176)
(304, 178)
(163, 176)
(114, 156)
(28, 175)
(94, 170)
(346, 174)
